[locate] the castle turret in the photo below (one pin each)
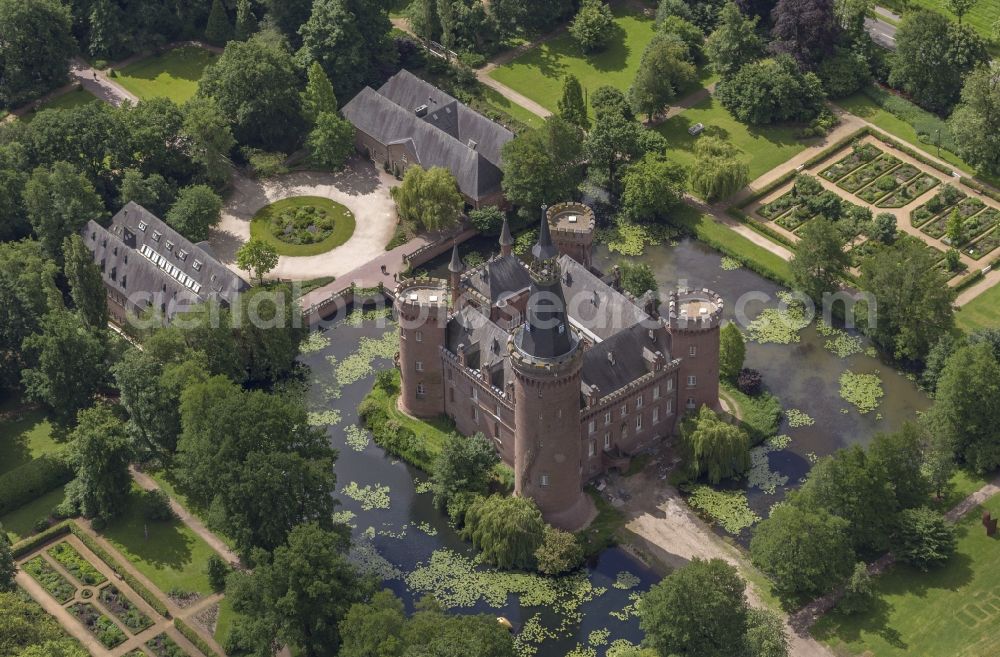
(547, 356)
(572, 225)
(506, 241)
(421, 308)
(693, 320)
(455, 269)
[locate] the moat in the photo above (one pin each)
(399, 530)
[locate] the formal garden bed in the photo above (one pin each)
(163, 646)
(972, 225)
(887, 184)
(866, 174)
(907, 193)
(806, 200)
(102, 627)
(947, 197)
(303, 225)
(861, 153)
(984, 246)
(124, 609)
(50, 579)
(76, 565)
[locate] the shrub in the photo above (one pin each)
(32, 543)
(749, 382)
(487, 220)
(40, 525)
(923, 538)
(560, 552)
(32, 480)
(217, 570)
(859, 593)
(155, 506)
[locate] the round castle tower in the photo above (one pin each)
(694, 318)
(421, 308)
(546, 357)
(572, 225)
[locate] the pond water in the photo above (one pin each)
(398, 542)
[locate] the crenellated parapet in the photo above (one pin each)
(694, 310)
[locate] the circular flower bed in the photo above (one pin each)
(303, 225)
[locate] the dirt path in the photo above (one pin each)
(193, 523)
(664, 526)
(718, 214)
(99, 84)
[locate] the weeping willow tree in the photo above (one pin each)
(718, 171)
(508, 530)
(713, 447)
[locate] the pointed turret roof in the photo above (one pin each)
(456, 266)
(505, 237)
(544, 249)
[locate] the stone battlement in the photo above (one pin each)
(413, 294)
(694, 310)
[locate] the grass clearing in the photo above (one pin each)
(74, 98)
(263, 224)
(172, 556)
(766, 147)
(982, 312)
(951, 611)
(20, 523)
(24, 435)
(501, 103)
(225, 621)
(862, 106)
(538, 73)
(174, 74)
(981, 16)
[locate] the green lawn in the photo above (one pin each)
(538, 73)
(20, 522)
(261, 226)
(25, 438)
(172, 556)
(953, 611)
(66, 101)
(766, 147)
(173, 75)
(981, 312)
(500, 102)
(224, 624)
(861, 105)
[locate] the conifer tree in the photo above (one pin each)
(218, 29)
(572, 106)
(318, 97)
(246, 21)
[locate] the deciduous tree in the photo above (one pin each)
(246, 20)
(153, 192)
(819, 261)
(699, 609)
(543, 165)
(713, 447)
(771, 91)
(59, 201)
(196, 209)
(805, 29)
(35, 46)
(718, 171)
(651, 188)
(8, 569)
(766, 635)
(101, 454)
(331, 140)
(804, 551)
(592, 26)
(507, 530)
(257, 256)
(560, 552)
(465, 464)
(210, 138)
(664, 71)
(924, 538)
(975, 124)
(85, 283)
(961, 7)
(429, 198)
(23, 623)
(732, 351)
(637, 278)
(734, 43)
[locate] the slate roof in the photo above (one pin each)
(595, 305)
(499, 276)
(140, 253)
(628, 349)
(471, 329)
(443, 137)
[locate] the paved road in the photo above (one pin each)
(884, 34)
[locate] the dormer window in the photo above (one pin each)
(170, 245)
(143, 225)
(182, 254)
(157, 235)
(197, 265)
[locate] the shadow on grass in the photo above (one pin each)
(184, 63)
(163, 545)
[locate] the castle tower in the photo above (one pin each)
(694, 318)
(547, 356)
(421, 308)
(572, 226)
(455, 269)
(506, 241)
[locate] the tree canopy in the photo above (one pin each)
(35, 47)
(771, 91)
(975, 124)
(507, 530)
(713, 447)
(819, 262)
(664, 71)
(543, 165)
(592, 26)
(429, 198)
(101, 453)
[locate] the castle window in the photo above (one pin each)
(670, 385)
(656, 392)
(670, 407)
(624, 409)
(418, 336)
(607, 440)
(498, 411)
(692, 381)
(496, 430)
(638, 423)
(475, 394)
(591, 448)
(421, 390)
(624, 431)
(690, 402)
(607, 418)
(591, 426)
(656, 415)
(638, 401)
(692, 350)
(545, 481)
(451, 395)
(419, 366)
(475, 414)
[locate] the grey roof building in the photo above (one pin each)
(409, 121)
(148, 266)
